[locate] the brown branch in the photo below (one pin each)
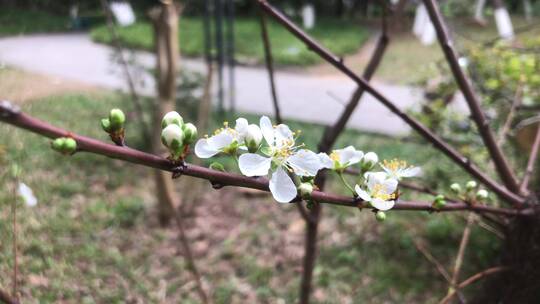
(15, 276)
(453, 154)
(471, 280)
(270, 67)
(461, 252)
(508, 122)
(6, 298)
(503, 168)
(304, 212)
(11, 115)
(433, 260)
(531, 162)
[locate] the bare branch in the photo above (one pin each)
(473, 279)
(531, 162)
(508, 122)
(503, 168)
(461, 252)
(457, 157)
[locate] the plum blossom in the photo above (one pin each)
(342, 158)
(281, 157)
(398, 169)
(380, 191)
(224, 140)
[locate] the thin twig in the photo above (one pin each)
(452, 153)
(304, 212)
(471, 280)
(503, 168)
(531, 162)
(508, 122)
(15, 249)
(270, 67)
(433, 260)
(461, 252)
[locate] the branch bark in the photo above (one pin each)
(471, 280)
(531, 162)
(503, 168)
(453, 154)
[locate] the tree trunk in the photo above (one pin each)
(165, 22)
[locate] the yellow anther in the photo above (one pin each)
(334, 156)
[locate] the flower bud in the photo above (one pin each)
(482, 195)
(217, 166)
(117, 118)
(439, 201)
(369, 160)
(58, 144)
(70, 146)
(305, 190)
(470, 185)
(173, 137)
(253, 138)
(106, 125)
(380, 216)
(190, 133)
(172, 118)
(455, 188)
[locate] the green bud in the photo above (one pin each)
(482, 195)
(172, 118)
(380, 216)
(58, 144)
(70, 146)
(15, 171)
(106, 125)
(439, 201)
(455, 188)
(190, 133)
(369, 161)
(117, 119)
(470, 185)
(305, 190)
(217, 166)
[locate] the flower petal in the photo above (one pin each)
(204, 149)
(410, 172)
(305, 163)
(221, 140)
(27, 195)
(374, 178)
(252, 164)
(390, 185)
(241, 128)
(362, 194)
(282, 186)
(350, 156)
(326, 161)
(382, 204)
(267, 130)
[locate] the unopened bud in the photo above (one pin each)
(305, 190)
(380, 216)
(369, 160)
(253, 138)
(456, 188)
(172, 118)
(439, 201)
(70, 145)
(190, 133)
(482, 195)
(117, 118)
(58, 144)
(471, 185)
(106, 125)
(217, 166)
(173, 137)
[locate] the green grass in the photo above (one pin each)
(339, 36)
(18, 21)
(93, 236)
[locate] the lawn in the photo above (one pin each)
(19, 21)
(339, 36)
(93, 237)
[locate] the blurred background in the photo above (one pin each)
(96, 235)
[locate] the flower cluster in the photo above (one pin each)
(291, 167)
(177, 135)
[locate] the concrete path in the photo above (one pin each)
(309, 98)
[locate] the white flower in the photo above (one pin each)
(369, 160)
(380, 191)
(27, 195)
(342, 158)
(397, 169)
(172, 136)
(282, 156)
(225, 140)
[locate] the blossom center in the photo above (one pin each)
(379, 192)
(395, 165)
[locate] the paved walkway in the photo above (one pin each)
(309, 98)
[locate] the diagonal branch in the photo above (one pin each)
(530, 163)
(471, 280)
(6, 298)
(12, 115)
(461, 252)
(503, 168)
(453, 154)
(516, 102)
